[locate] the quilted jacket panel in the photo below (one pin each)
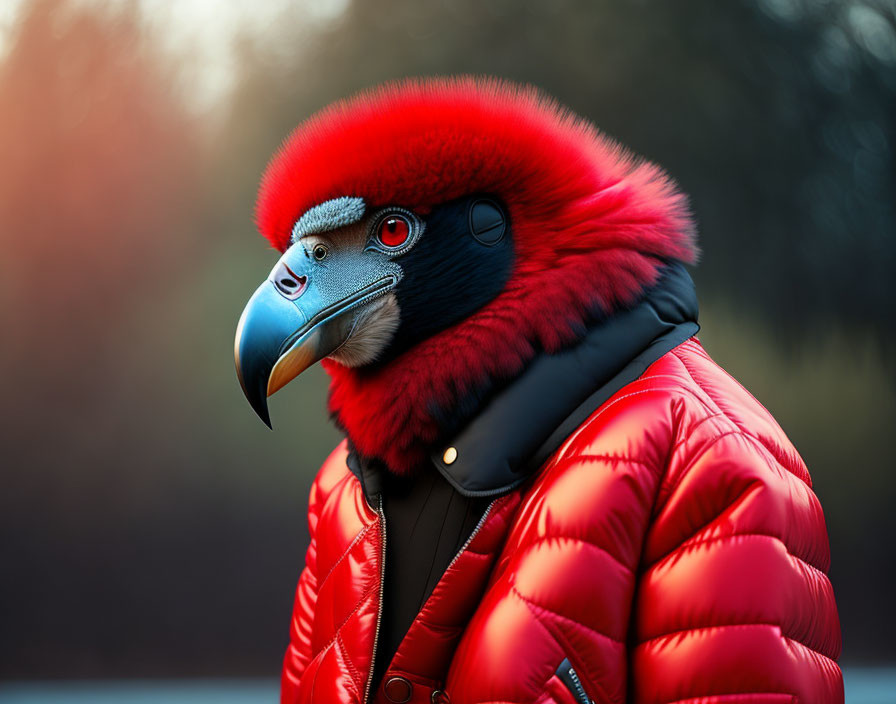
(672, 550)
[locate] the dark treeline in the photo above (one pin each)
(151, 527)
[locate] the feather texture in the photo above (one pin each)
(591, 226)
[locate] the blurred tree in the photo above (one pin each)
(99, 165)
(131, 518)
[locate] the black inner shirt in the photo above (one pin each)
(427, 524)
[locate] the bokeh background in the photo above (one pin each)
(150, 526)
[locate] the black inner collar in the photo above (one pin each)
(525, 423)
(519, 427)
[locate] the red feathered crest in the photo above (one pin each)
(591, 225)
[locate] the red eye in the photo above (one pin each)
(394, 231)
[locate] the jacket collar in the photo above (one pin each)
(522, 425)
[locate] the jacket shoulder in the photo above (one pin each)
(698, 444)
(720, 397)
(686, 400)
(730, 470)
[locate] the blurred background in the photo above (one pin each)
(151, 528)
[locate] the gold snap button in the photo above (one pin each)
(450, 455)
(398, 690)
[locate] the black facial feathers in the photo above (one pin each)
(462, 261)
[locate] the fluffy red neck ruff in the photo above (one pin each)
(591, 226)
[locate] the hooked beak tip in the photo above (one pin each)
(257, 399)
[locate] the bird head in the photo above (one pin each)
(361, 285)
(435, 235)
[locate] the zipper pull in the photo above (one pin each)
(570, 678)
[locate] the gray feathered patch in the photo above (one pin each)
(329, 215)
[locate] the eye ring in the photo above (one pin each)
(394, 231)
(320, 251)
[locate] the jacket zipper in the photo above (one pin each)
(379, 612)
(469, 540)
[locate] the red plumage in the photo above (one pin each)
(591, 226)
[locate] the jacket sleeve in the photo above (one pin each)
(733, 604)
(298, 653)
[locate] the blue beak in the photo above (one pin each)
(301, 314)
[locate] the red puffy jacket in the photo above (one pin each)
(671, 550)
